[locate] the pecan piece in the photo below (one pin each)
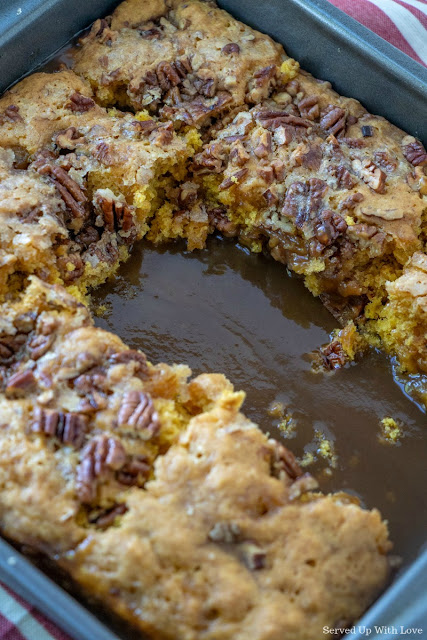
(309, 107)
(263, 148)
(219, 220)
(101, 455)
(9, 346)
(40, 344)
(344, 178)
(11, 114)
(333, 120)
(351, 201)
(333, 356)
(135, 472)
(69, 427)
(79, 103)
(370, 173)
(71, 267)
(231, 47)
(271, 119)
(106, 517)
(414, 151)
(303, 201)
(234, 179)
(137, 412)
(115, 214)
(283, 462)
(68, 138)
(328, 227)
(70, 192)
(131, 355)
(20, 382)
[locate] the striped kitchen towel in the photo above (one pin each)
(401, 22)
(404, 24)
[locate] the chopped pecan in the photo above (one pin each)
(40, 344)
(271, 119)
(309, 107)
(263, 148)
(206, 86)
(80, 103)
(211, 159)
(154, 33)
(266, 173)
(302, 485)
(270, 197)
(25, 322)
(328, 227)
(370, 173)
(20, 382)
(414, 151)
(137, 412)
(163, 135)
(312, 159)
(69, 427)
(131, 355)
(106, 517)
(303, 201)
(333, 120)
(9, 346)
(236, 178)
(196, 111)
(344, 178)
(354, 143)
(87, 236)
(115, 214)
(284, 135)
(283, 462)
(93, 379)
(333, 356)
(351, 201)
(231, 47)
(187, 194)
(225, 532)
(135, 472)
(101, 455)
(253, 556)
(70, 192)
(71, 267)
(218, 219)
(104, 251)
(385, 160)
(146, 126)
(170, 74)
(238, 154)
(11, 114)
(68, 138)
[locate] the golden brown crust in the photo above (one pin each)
(187, 61)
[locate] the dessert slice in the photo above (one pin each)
(402, 324)
(328, 189)
(159, 498)
(110, 170)
(185, 60)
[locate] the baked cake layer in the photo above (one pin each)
(160, 498)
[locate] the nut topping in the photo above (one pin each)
(72, 195)
(414, 151)
(68, 427)
(68, 139)
(21, 382)
(309, 107)
(131, 355)
(114, 214)
(101, 455)
(9, 346)
(230, 48)
(333, 120)
(40, 344)
(283, 462)
(253, 556)
(79, 103)
(370, 173)
(106, 517)
(234, 179)
(137, 412)
(135, 472)
(11, 114)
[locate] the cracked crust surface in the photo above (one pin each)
(188, 61)
(201, 527)
(106, 169)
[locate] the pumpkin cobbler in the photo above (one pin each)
(148, 487)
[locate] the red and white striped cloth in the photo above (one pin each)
(404, 24)
(401, 22)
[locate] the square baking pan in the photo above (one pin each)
(330, 45)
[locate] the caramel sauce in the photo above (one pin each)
(225, 310)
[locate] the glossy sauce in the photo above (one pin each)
(224, 310)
